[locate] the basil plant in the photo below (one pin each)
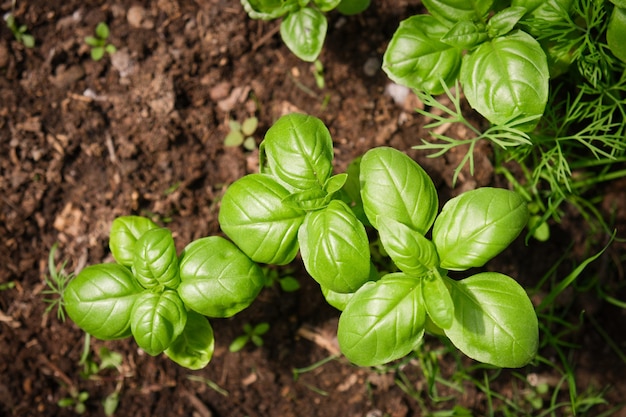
(295, 203)
(159, 298)
(490, 46)
(304, 25)
(488, 315)
(290, 206)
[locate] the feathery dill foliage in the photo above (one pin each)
(580, 139)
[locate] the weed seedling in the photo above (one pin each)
(252, 334)
(20, 32)
(76, 400)
(286, 283)
(99, 43)
(241, 133)
(57, 282)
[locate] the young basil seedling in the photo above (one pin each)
(160, 298)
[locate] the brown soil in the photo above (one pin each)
(141, 132)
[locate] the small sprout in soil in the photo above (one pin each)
(76, 400)
(209, 383)
(56, 282)
(241, 133)
(7, 285)
(318, 73)
(252, 334)
(287, 283)
(20, 32)
(98, 43)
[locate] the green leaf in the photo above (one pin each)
(110, 49)
(465, 35)
(157, 319)
(298, 150)
(539, 13)
(335, 248)
(494, 320)
(507, 79)
(303, 32)
(350, 7)
(396, 187)
(268, 9)
(110, 403)
(616, 33)
(234, 138)
(336, 299)
(477, 225)
(102, 31)
(248, 127)
(289, 284)
(239, 343)
(156, 261)
(253, 216)
(28, 40)
(437, 300)
(504, 21)
(408, 249)
(97, 53)
(326, 5)
(313, 199)
(93, 41)
(100, 299)
(193, 349)
(417, 58)
(334, 183)
(456, 10)
(218, 279)
(124, 233)
(383, 321)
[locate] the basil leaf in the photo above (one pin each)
(303, 32)
(336, 299)
(124, 233)
(395, 186)
(616, 33)
(100, 299)
(494, 320)
(218, 280)
(408, 249)
(326, 5)
(383, 321)
(194, 348)
(456, 10)
(334, 183)
(298, 150)
(268, 9)
(155, 262)
(417, 58)
(477, 225)
(506, 79)
(504, 21)
(335, 248)
(437, 300)
(253, 216)
(307, 200)
(542, 13)
(465, 35)
(157, 319)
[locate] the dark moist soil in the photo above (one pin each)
(141, 132)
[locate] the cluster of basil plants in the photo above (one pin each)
(489, 46)
(295, 204)
(304, 24)
(162, 299)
